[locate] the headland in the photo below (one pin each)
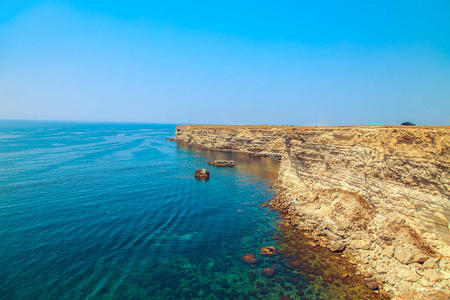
(380, 195)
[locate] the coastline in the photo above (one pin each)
(405, 255)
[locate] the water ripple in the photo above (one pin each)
(88, 214)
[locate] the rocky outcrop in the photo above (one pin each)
(382, 193)
(201, 174)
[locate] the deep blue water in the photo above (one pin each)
(112, 211)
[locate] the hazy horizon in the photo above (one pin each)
(325, 63)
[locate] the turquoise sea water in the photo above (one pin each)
(112, 211)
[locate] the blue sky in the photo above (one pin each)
(226, 62)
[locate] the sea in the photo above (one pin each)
(113, 211)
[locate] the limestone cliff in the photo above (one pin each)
(253, 140)
(383, 192)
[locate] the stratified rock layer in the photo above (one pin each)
(382, 191)
(252, 140)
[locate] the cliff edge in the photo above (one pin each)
(382, 193)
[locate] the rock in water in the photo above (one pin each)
(201, 174)
(269, 251)
(222, 163)
(249, 258)
(328, 278)
(268, 272)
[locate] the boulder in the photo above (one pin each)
(362, 244)
(407, 255)
(431, 263)
(371, 283)
(408, 275)
(419, 257)
(337, 246)
(388, 251)
(432, 275)
(380, 269)
(403, 255)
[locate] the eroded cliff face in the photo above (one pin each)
(396, 170)
(253, 140)
(382, 192)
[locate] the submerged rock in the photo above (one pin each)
(295, 263)
(268, 272)
(249, 258)
(328, 278)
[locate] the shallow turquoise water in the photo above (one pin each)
(112, 211)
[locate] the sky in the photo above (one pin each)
(226, 62)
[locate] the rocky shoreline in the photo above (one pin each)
(323, 268)
(396, 273)
(379, 194)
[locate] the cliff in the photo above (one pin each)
(253, 140)
(382, 192)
